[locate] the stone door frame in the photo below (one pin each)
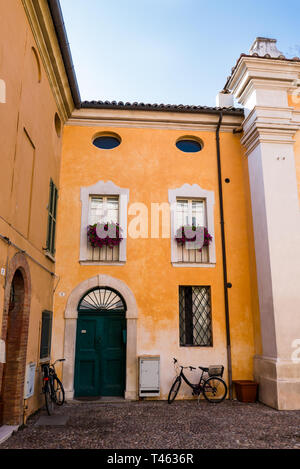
(71, 315)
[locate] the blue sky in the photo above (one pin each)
(170, 51)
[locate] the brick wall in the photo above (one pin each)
(15, 333)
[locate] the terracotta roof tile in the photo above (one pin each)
(159, 107)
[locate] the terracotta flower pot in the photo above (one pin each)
(246, 391)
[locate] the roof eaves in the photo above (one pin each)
(59, 25)
(160, 107)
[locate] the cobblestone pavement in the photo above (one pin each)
(158, 425)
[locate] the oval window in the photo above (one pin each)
(107, 142)
(189, 145)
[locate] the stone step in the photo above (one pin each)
(6, 431)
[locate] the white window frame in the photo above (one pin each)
(191, 192)
(190, 245)
(105, 189)
(105, 200)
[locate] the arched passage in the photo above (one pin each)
(15, 334)
(71, 319)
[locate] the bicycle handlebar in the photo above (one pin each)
(190, 367)
(59, 360)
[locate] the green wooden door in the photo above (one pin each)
(113, 351)
(100, 361)
(87, 364)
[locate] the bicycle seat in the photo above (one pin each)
(203, 369)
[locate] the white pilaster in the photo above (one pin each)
(262, 86)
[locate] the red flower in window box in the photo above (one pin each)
(104, 234)
(196, 234)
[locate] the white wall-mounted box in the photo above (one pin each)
(2, 351)
(29, 380)
(149, 376)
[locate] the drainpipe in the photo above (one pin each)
(226, 284)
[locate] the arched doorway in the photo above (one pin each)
(71, 317)
(100, 359)
(12, 377)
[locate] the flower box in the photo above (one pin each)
(104, 234)
(193, 237)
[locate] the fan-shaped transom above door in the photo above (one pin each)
(102, 299)
(100, 362)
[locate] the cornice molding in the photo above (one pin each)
(40, 20)
(264, 134)
(269, 125)
(263, 86)
(262, 71)
(153, 119)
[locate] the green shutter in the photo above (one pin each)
(46, 334)
(52, 208)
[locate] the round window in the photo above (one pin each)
(189, 145)
(107, 142)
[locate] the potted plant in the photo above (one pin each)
(193, 237)
(104, 234)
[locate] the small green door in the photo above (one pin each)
(100, 345)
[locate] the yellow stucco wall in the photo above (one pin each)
(30, 155)
(148, 163)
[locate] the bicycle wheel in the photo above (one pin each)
(214, 389)
(58, 391)
(174, 390)
(48, 399)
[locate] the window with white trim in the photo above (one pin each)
(103, 209)
(192, 205)
(105, 201)
(191, 212)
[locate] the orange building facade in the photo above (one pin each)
(148, 170)
(35, 102)
(155, 176)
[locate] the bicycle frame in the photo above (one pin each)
(196, 387)
(213, 388)
(49, 374)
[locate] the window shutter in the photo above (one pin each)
(52, 209)
(46, 333)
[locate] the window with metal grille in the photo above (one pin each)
(103, 209)
(191, 212)
(52, 208)
(195, 316)
(46, 333)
